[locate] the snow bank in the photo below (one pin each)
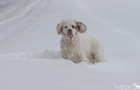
(45, 54)
(48, 54)
(30, 47)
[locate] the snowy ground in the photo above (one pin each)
(29, 45)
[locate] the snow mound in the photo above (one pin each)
(45, 54)
(29, 26)
(48, 54)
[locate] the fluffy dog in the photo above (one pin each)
(77, 47)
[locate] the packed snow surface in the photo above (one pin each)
(30, 46)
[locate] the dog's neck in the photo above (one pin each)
(70, 42)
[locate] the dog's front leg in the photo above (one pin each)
(84, 57)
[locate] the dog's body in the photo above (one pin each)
(77, 47)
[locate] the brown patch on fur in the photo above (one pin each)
(79, 24)
(61, 28)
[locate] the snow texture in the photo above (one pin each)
(30, 46)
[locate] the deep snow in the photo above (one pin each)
(29, 45)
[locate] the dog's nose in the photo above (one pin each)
(69, 30)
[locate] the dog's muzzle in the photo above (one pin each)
(70, 33)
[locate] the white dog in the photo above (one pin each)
(77, 47)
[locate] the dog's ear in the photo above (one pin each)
(81, 27)
(59, 28)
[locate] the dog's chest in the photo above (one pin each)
(71, 50)
(71, 47)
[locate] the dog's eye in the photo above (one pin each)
(65, 27)
(73, 26)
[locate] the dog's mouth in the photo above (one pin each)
(70, 35)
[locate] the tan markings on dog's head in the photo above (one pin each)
(81, 27)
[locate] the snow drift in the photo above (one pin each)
(29, 45)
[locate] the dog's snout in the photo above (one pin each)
(69, 30)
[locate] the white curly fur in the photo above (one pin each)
(77, 47)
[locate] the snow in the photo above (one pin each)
(30, 46)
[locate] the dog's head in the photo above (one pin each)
(69, 28)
